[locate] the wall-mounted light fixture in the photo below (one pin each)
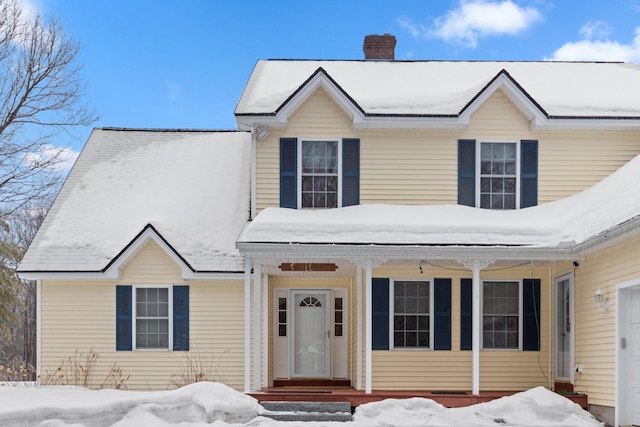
(600, 299)
(262, 133)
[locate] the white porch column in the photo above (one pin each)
(475, 331)
(247, 324)
(369, 323)
(257, 324)
(475, 266)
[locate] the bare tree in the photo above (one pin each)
(41, 94)
(18, 297)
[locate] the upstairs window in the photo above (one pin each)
(498, 175)
(498, 182)
(319, 174)
(152, 318)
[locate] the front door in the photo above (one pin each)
(564, 328)
(311, 334)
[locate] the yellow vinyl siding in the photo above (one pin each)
(80, 315)
(451, 370)
(595, 327)
(420, 167)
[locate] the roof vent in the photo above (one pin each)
(379, 47)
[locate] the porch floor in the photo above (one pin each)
(450, 399)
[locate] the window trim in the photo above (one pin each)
(392, 281)
(134, 316)
(520, 313)
(518, 144)
(299, 171)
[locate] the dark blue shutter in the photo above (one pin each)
(467, 172)
(531, 314)
(181, 318)
(380, 314)
(442, 314)
(289, 173)
(466, 314)
(350, 172)
(528, 173)
(123, 318)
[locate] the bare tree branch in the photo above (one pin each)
(41, 96)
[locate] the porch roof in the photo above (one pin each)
(564, 228)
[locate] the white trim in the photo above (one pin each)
(570, 277)
(338, 142)
(265, 331)
(520, 311)
(622, 409)
(392, 281)
(359, 295)
(257, 328)
(479, 169)
(247, 324)
(475, 328)
(368, 326)
(134, 316)
(252, 173)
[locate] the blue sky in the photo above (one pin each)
(184, 64)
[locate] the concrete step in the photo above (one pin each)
(307, 411)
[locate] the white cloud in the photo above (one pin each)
(595, 29)
(52, 158)
(601, 49)
(475, 19)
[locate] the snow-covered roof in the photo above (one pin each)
(559, 90)
(189, 190)
(563, 224)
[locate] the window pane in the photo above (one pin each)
(501, 310)
(319, 174)
(338, 303)
(338, 330)
(282, 303)
(411, 313)
(338, 317)
(282, 330)
(282, 317)
(498, 168)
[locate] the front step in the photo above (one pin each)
(307, 411)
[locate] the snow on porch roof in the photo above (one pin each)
(569, 221)
(441, 88)
(192, 187)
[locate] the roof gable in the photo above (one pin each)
(126, 179)
(442, 94)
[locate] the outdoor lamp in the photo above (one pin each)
(600, 300)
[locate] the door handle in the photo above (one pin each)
(329, 333)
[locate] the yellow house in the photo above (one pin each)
(387, 225)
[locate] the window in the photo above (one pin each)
(498, 175)
(411, 314)
(319, 174)
(322, 173)
(501, 315)
(152, 318)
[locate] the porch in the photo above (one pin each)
(450, 399)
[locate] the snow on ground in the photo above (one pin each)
(212, 404)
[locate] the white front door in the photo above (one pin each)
(564, 328)
(635, 358)
(311, 334)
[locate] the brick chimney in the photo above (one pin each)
(379, 47)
